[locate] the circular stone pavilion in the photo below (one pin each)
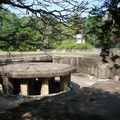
(35, 78)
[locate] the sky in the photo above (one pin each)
(21, 12)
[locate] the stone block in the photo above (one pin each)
(24, 89)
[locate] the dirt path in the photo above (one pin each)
(78, 81)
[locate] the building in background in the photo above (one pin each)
(80, 38)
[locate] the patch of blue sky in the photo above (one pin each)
(50, 7)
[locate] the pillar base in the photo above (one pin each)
(45, 87)
(24, 89)
(64, 81)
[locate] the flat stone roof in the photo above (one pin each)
(36, 70)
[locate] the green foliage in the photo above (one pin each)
(73, 45)
(93, 24)
(25, 34)
(30, 33)
(108, 31)
(93, 28)
(77, 23)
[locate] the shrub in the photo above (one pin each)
(73, 45)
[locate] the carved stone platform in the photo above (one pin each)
(29, 74)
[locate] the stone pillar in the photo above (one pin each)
(24, 89)
(64, 81)
(7, 86)
(1, 87)
(45, 87)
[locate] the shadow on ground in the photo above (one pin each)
(86, 104)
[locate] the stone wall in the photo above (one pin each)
(35, 58)
(91, 65)
(86, 64)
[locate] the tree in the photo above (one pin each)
(110, 29)
(110, 12)
(77, 22)
(13, 33)
(28, 33)
(92, 27)
(1, 16)
(42, 10)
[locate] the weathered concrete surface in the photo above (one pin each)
(24, 89)
(84, 64)
(64, 82)
(91, 65)
(29, 58)
(36, 70)
(45, 87)
(42, 70)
